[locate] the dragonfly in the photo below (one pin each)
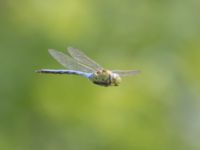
(78, 63)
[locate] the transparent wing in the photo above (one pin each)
(68, 62)
(126, 72)
(83, 59)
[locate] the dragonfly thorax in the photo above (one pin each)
(105, 78)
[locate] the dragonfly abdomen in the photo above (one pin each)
(53, 71)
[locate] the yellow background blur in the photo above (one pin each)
(156, 110)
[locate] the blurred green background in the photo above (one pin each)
(156, 110)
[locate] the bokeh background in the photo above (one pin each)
(156, 110)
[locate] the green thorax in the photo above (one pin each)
(105, 78)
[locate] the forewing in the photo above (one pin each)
(126, 72)
(83, 59)
(68, 62)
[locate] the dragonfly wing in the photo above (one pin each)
(68, 62)
(126, 72)
(83, 59)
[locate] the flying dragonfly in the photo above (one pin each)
(80, 64)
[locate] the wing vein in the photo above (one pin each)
(69, 62)
(83, 58)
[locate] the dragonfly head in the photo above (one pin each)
(115, 79)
